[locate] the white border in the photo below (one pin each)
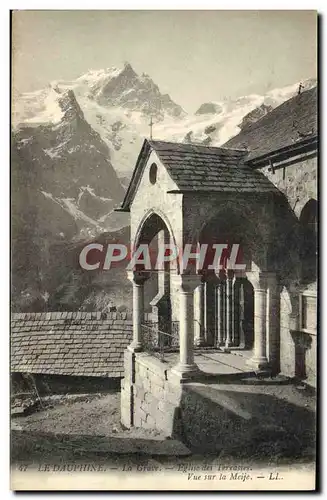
(4, 184)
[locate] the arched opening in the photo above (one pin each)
(244, 313)
(309, 240)
(155, 232)
(229, 295)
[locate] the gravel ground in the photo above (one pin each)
(82, 414)
(70, 426)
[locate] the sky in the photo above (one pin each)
(195, 56)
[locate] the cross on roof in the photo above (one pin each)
(151, 125)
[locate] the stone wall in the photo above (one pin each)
(156, 400)
(287, 346)
(300, 183)
(207, 419)
(150, 395)
(311, 361)
(297, 347)
(298, 340)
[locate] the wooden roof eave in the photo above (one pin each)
(284, 153)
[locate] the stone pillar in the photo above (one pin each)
(273, 322)
(211, 282)
(186, 368)
(241, 315)
(221, 309)
(138, 279)
(259, 359)
(161, 305)
(229, 309)
(199, 339)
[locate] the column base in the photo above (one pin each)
(135, 347)
(258, 363)
(199, 342)
(185, 372)
(225, 348)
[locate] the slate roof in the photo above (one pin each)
(70, 343)
(290, 123)
(198, 168)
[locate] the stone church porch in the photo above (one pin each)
(230, 316)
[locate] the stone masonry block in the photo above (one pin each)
(158, 392)
(142, 370)
(147, 385)
(145, 406)
(157, 380)
(129, 366)
(173, 393)
(127, 407)
(150, 421)
(153, 408)
(149, 398)
(140, 413)
(140, 392)
(138, 380)
(169, 422)
(137, 419)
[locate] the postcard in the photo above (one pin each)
(164, 207)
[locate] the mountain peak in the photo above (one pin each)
(126, 89)
(128, 67)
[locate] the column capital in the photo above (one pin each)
(257, 279)
(138, 277)
(211, 277)
(186, 283)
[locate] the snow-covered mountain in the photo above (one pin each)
(67, 159)
(74, 147)
(118, 104)
(214, 123)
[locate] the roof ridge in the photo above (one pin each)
(58, 315)
(185, 145)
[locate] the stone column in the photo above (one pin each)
(137, 279)
(211, 282)
(199, 339)
(186, 368)
(220, 313)
(241, 314)
(259, 359)
(273, 322)
(229, 309)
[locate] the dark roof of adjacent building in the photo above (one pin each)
(70, 343)
(198, 168)
(292, 122)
